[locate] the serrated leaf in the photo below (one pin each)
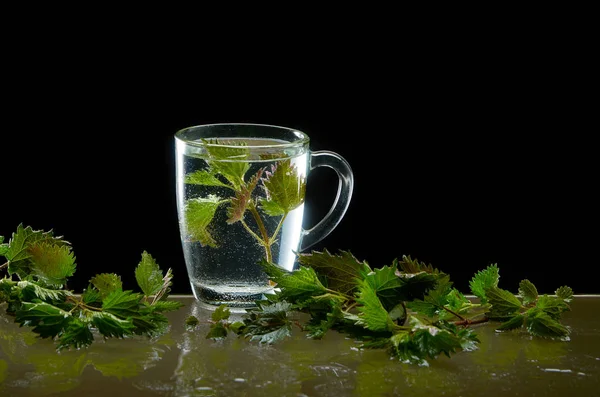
(199, 213)
(553, 306)
(387, 285)
(3, 247)
(217, 331)
(163, 294)
(484, 280)
(148, 275)
(31, 290)
(324, 319)
(91, 296)
(122, 303)
(228, 158)
(372, 314)
(107, 283)
(191, 322)
(435, 298)
(416, 286)
(431, 342)
(565, 293)
(51, 263)
(222, 312)
(242, 199)
(514, 323)
(166, 306)
(503, 302)
(341, 271)
(284, 187)
(411, 266)
(297, 284)
(47, 320)
(111, 326)
(150, 323)
(18, 255)
(439, 295)
(541, 324)
(527, 291)
(204, 178)
(268, 324)
(76, 335)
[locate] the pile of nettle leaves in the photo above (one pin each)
(409, 308)
(38, 265)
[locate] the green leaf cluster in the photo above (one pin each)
(38, 265)
(408, 307)
(228, 166)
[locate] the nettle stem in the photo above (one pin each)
(3, 266)
(263, 231)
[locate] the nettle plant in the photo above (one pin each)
(282, 185)
(409, 308)
(34, 288)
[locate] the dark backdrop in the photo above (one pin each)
(464, 155)
(458, 185)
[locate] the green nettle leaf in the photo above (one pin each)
(221, 313)
(91, 296)
(18, 253)
(341, 272)
(552, 306)
(111, 326)
(503, 302)
(409, 265)
(431, 342)
(204, 178)
(528, 292)
(386, 284)
(514, 323)
(285, 189)
(372, 314)
(191, 322)
(52, 264)
(199, 213)
(47, 320)
(435, 299)
(242, 199)
(484, 280)
(166, 287)
(107, 283)
(565, 293)
(3, 247)
(217, 331)
(301, 283)
(415, 286)
(39, 298)
(165, 306)
(31, 291)
(148, 275)
(268, 323)
(76, 335)
(122, 303)
(541, 324)
(228, 158)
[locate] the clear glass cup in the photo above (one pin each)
(240, 199)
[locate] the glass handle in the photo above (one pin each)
(325, 158)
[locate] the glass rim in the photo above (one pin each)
(303, 139)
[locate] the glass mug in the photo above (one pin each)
(240, 192)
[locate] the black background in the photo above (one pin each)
(465, 152)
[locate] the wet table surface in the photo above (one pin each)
(185, 363)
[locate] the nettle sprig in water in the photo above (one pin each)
(34, 287)
(409, 308)
(228, 167)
